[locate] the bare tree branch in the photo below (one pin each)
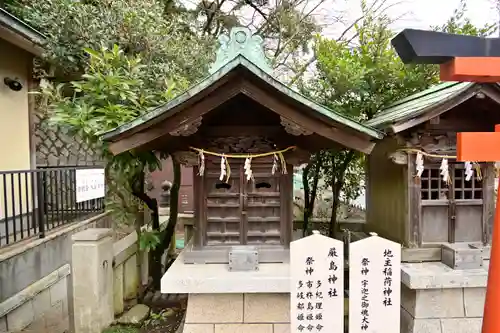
(211, 17)
(302, 70)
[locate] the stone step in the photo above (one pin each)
(148, 298)
(135, 316)
(157, 299)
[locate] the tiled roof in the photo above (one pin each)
(419, 103)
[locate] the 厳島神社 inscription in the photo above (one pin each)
(317, 296)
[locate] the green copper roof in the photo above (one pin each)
(241, 42)
(419, 103)
(245, 50)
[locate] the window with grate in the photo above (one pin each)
(433, 187)
(451, 212)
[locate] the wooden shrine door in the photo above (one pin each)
(240, 211)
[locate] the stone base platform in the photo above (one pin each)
(438, 299)
(242, 313)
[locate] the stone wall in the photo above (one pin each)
(242, 313)
(36, 280)
(54, 147)
(451, 310)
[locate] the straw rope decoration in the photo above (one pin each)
(444, 168)
(279, 162)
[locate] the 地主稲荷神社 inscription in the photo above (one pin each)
(374, 286)
(387, 277)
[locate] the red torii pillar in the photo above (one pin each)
(485, 146)
(468, 59)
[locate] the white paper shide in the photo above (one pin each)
(317, 284)
(374, 286)
(90, 184)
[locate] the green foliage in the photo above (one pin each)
(137, 27)
(460, 24)
(359, 81)
(287, 26)
(112, 92)
(157, 318)
(167, 30)
(149, 239)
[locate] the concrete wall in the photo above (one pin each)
(100, 289)
(243, 313)
(36, 280)
(126, 279)
(42, 307)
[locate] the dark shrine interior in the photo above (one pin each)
(241, 116)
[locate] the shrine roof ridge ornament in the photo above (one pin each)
(433, 47)
(241, 42)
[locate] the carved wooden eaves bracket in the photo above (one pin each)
(188, 128)
(293, 128)
(186, 158)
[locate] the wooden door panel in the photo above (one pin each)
(263, 206)
(241, 211)
(223, 202)
(468, 225)
(435, 224)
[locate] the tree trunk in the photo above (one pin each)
(138, 224)
(336, 188)
(337, 183)
(156, 253)
(310, 194)
(138, 191)
(174, 206)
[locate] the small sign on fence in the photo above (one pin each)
(374, 286)
(317, 284)
(90, 184)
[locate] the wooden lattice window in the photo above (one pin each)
(450, 212)
(468, 190)
(433, 187)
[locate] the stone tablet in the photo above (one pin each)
(317, 284)
(374, 286)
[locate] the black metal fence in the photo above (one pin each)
(33, 202)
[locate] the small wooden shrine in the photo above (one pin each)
(242, 130)
(417, 193)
